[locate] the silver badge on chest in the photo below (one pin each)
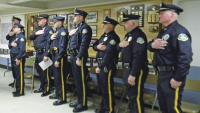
(165, 37)
(130, 38)
(105, 39)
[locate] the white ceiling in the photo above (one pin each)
(22, 6)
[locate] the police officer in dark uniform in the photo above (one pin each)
(17, 52)
(107, 56)
(134, 58)
(11, 37)
(40, 39)
(173, 55)
(80, 38)
(57, 50)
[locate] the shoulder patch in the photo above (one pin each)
(84, 31)
(63, 33)
(140, 40)
(183, 37)
(165, 37)
(112, 42)
(22, 39)
(51, 32)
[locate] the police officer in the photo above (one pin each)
(134, 58)
(40, 39)
(57, 50)
(10, 37)
(173, 55)
(18, 54)
(107, 56)
(80, 38)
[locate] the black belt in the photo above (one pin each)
(40, 50)
(73, 52)
(54, 50)
(165, 68)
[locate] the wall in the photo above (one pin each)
(190, 19)
(5, 26)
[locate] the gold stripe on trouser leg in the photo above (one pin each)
(83, 82)
(109, 92)
(62, 80)
(47, 74)
(176, 100)
(139, 91)
(21, 78)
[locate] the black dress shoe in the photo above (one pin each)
(16, 94)
(53, 97)
(73, 104)
(98, 111)
(38, 91)
(59, 102)
(80, 108)
(45, 94)
(12, 84)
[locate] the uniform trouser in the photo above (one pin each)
(12, 66)
(169, 98)
(80, 75)
(43, 75)
(135, 93)
(59, 79)
(106, 85)
(19, 76)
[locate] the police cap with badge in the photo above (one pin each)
(59, 18)
(170, 7)
(127, 17)
(16, 18)
(108, 20)
(80, 12)
(43, 16)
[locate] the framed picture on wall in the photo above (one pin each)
(106, 12)
(91, 17)
(70, 22)
(94, 30)
(51, 19)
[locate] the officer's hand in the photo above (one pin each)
(56, 64)
(98, 70)
(13, 44)
(175, 84)
(131, 80)
(45, 59)
(39, 32)
(17, 62)
(101, 47)
(53, 36)
(11, 33)
(123, 44)
(159, 44)
(78, 62)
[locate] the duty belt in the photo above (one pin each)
(40, 50)
(99, 61)
(73, 52)
(54, 50)
(165, 68)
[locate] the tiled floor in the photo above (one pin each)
(30, 103)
